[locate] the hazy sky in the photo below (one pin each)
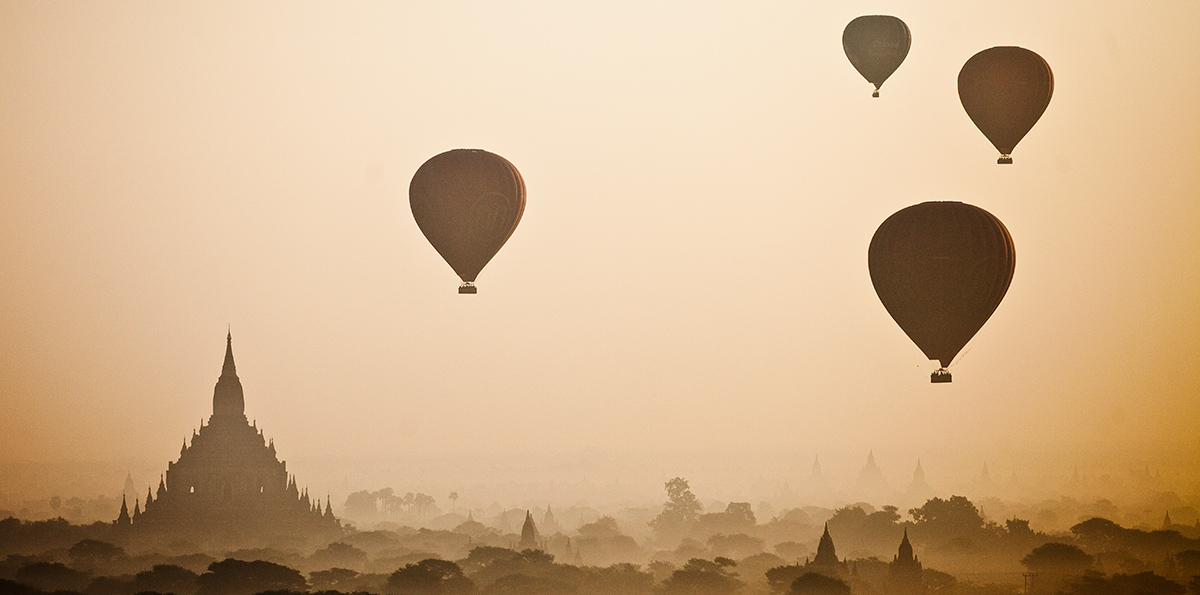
(688, 282)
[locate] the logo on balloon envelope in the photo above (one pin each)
(467, 202)
(941, 269)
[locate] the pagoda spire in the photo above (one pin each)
(228, 401)
(228, 368)
(123, 517)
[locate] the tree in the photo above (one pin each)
(623, 578)
(1057, 558)
(52, 576)
(236, 577)
(1189, 562)
(1142, 583)
(936, 581)
(423, 503)
(93, 553)
(166, 578)
(361, 505)
(1018, 528)
(604, 543)
(681, 510)
(482, 556)
(811, 583)
(453, 497)
(1098, 534)
(702, 577)
(430, 577)
(522, 584)
(781, 577)
(738, 545)
(334, 578)
(956, 517)
(1055, 563)
(338, 555)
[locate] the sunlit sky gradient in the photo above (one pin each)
(688, 284)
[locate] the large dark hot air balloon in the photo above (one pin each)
(941, 269)
(876, 45)
(1005, 90)
(467, 202)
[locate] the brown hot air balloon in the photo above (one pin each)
(941, 269)
(467, 202)
(1005, 90)
(876, 45)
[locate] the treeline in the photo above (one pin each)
(688, 551)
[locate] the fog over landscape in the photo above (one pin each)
(686, 296)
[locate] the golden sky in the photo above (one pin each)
(690, 273)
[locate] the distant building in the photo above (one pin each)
(228, 488)
(826, 562)
(919, 491)
(549, 524)
(904, 573)
(871, 483)
(529, 534)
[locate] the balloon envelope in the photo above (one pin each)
(467, 202)
(1005, 90)
(876, 45)
(941, 269)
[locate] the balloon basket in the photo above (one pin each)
(875, 93)
(467, 288)
(940, 375)
(1004, 160)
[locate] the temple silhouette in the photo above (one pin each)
(229, 488)
(826, 561)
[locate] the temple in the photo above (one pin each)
(228, 488)
(904, 572)
(529, 534)
(826, 561)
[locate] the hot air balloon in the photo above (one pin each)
(941, 269)
(876, 45)
(1005, 90)
(467, 202)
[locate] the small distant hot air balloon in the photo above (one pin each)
(1005, 90)
(876, 45)
(467, 202)
(941, 269)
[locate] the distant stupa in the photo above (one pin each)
(871, 482)
(228, 488)
(549, 524)
(918, 490)
(130, 489)
(529, 534)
